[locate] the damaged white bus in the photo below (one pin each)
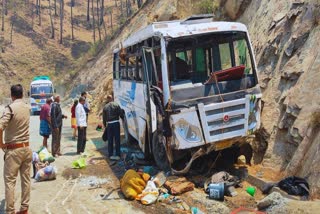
(187, 88)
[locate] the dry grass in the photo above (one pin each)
(315, 118)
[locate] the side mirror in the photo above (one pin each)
(28, 93)
(54, 91)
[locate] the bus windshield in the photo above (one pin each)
(43, 90)
(196, 58)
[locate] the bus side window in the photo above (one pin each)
(139, 73)
(116, 67)
(131, 67)
(123, 71)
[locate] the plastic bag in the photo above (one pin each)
(45, 174)
(295, 186)
(45, 155)
(79, 163)
(35, 157)
(133, 183)
(150, 194)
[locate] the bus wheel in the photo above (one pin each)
(159, 151)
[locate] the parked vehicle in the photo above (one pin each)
(41, 88)
(188, 88)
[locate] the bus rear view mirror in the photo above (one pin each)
(28, 93)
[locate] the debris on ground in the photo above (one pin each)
(251, 190)
(93, 181)
(216, 191)
(159, 179)
(295, 186)
(45, 155)
(222, 178)
(45, 174)
(132, 184)
(177, 186)
(150, 194)
(80, 163)
(196, 210)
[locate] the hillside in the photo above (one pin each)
(27, 46)
(285, 36)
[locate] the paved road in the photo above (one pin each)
(69, 195)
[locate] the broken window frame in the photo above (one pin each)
(213, 46)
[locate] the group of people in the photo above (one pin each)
(51, 118)
(14, 123)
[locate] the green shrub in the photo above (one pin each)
(206, 6)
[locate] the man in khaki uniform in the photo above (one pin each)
(18, 156)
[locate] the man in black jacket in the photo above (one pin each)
(56, 123)
(111, 114)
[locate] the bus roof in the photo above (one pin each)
(40, 81)
(41, 78)
(183, 28)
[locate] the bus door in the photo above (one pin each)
(150, 78)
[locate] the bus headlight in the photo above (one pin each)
(188, 132)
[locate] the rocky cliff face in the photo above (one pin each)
(286, 36)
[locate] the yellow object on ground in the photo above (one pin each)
(132, 184)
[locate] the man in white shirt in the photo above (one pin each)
(81, 118)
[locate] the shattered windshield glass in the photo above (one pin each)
(196, 58)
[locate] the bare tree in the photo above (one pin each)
(55, 8)
(3, 13)
(128, 8)
(51, 20)
(2, 43)
(102, 12)
(5, 7)
(61, 19)
(37, 7)
(111, 21)
(139, 2)
(93, 23)
(72, 5)
(98, 20)
(39, 10)
(88, 11)
(13, 20)
(32, 14)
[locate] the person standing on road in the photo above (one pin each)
(73, 119)
(86, 104)
(56, 124)
(45, 129)
(111, 114)
(82, 125)
(17, 154)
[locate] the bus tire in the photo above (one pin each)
(159, 151)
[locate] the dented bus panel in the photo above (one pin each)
(187, 86)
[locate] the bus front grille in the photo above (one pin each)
(225, 120)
